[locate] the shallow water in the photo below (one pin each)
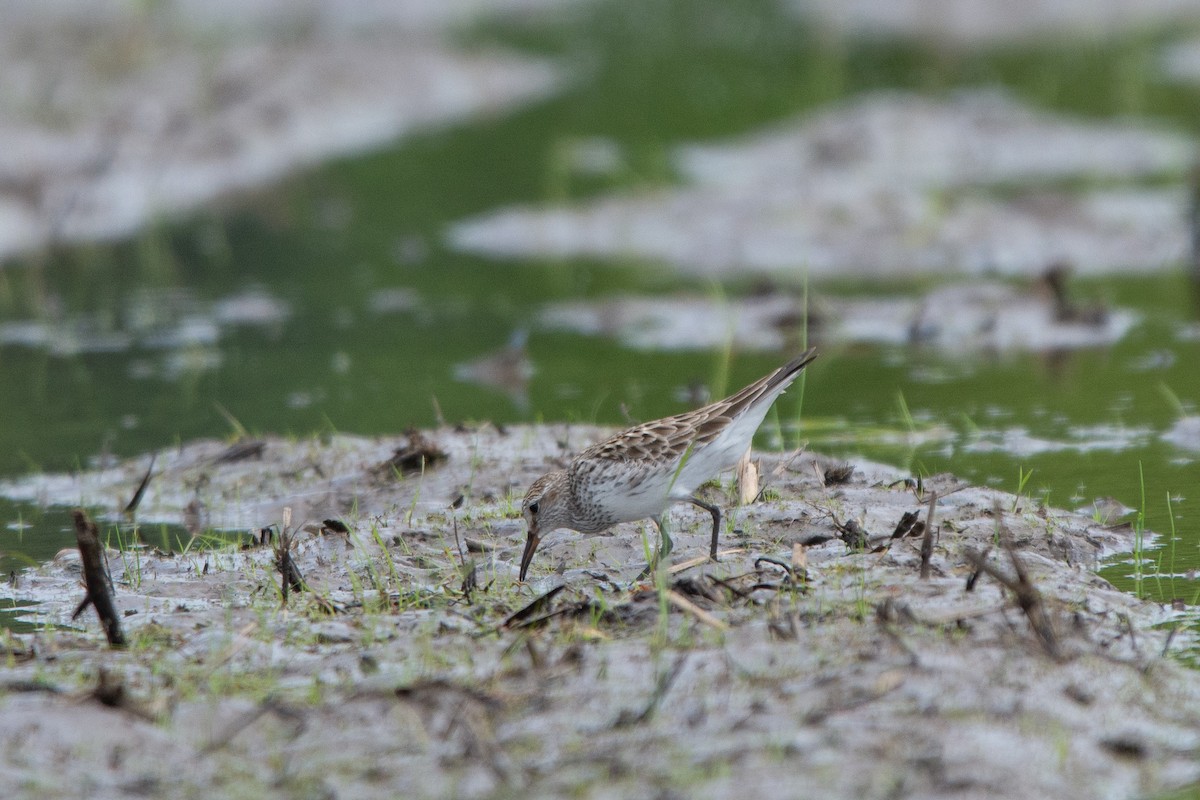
(331, 303)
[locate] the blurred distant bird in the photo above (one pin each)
(507, 369)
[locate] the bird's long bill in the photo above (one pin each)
(531, 543)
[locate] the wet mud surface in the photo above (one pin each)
(956, 319)
(117, 114)
(814, 658)
(824, 655)
(887, 184)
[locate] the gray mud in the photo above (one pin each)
(115, 114)
(958, 319)
(887, 184)
(826, 671)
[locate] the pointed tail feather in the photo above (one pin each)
(772, 384)
(789, 370)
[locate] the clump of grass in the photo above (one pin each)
(1022, 480)
(412, 509)
(131, 554)
(1139, 537)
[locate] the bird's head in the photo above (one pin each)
(545, 508)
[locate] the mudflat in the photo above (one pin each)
(813, 659)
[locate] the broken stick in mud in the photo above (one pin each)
(1028, 598)
(289, 573)
(95, 576)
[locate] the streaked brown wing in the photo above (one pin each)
(666, 440)
(662, 440)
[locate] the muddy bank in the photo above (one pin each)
(958, 319)
(812, 658)
(884, 185)
(115, 114)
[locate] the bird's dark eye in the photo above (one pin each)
(533, 507)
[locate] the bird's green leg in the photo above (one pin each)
(664, 548)
(665, 545)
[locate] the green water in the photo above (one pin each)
(648, 75)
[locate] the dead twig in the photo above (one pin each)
(973, 578)
(240, 451)
(1170, 638)
(927, 538)
(1028, 598)
(728, 586)
(683, 604)
(885, 613)
(29, 685)
(136, 500)
(470, 577)
(269, 706)
(96, 578)
(776, 562)
(522, 617)
(1133, 643)
(291, 579)
(683, 566)
(663, 685)
(795, 574)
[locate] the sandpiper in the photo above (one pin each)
(640, 472)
